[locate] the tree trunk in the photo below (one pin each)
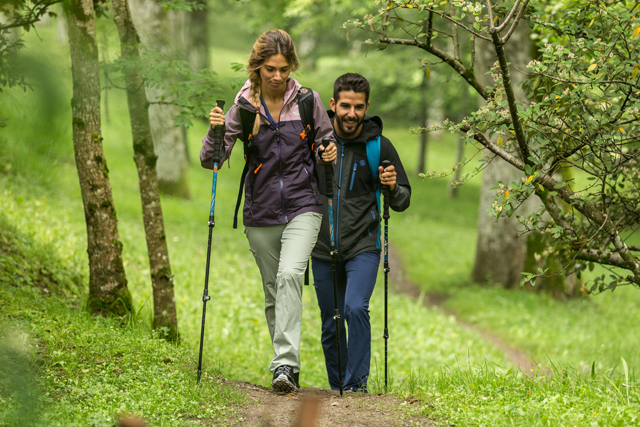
(164, 308)
(423, 116)
(197, 37)
(164, 32)
(456, 177)
(500, 255)
(108, 293)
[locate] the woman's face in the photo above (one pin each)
(275, 72)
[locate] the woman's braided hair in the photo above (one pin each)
(272, 42)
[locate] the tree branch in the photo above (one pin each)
(587, 208)
(608, 258)
(445, 16)
(32, 17)
(454, 34)
(515, 22)
(465, 73)
(508, 18)
(511, 98)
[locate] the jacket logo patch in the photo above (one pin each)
(361, 162)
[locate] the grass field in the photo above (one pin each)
(86, 371)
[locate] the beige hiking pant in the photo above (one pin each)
(281, 252)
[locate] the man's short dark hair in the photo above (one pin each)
(351, 82)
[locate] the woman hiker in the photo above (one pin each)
(282, 209)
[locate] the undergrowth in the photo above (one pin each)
(62, 367)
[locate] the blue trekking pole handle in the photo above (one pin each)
(329, 189)
(217, 143)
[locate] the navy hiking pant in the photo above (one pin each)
(356, 280)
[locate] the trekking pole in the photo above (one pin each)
(334, 254)
(217, 143)
(385, 192)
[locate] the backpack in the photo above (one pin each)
(306, 104)
(373, 158)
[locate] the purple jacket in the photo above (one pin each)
(280, 183)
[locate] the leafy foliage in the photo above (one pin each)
(582, 112)
(194, 92)
(20, 14)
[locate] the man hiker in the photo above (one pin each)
(357, 178)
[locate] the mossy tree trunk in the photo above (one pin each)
(108, 293)
(164, 308)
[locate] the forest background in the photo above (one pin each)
(85, 370)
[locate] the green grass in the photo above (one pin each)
(493, 396)
(459, 377)
(89, 370)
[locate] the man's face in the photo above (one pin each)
(350, 108)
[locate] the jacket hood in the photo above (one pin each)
(371, 128)
(245, 92)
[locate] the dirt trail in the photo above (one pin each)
(324, 408)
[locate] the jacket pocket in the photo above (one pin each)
(253, 171)
(372, 228)
(353, 176)
(309, 178)
(358, 178)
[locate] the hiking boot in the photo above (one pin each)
(284, 380)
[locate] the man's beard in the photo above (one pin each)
(340, 123)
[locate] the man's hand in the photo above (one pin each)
(329, 154)
(216, 117)
(388, 176)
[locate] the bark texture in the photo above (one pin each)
(164, 308)
(197, 37)
(164, 32)
(423, 116)
(500, 254)
(108, 293)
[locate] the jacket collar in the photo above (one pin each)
(245, 93)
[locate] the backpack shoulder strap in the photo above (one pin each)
(247, 119)
(373, 158)
(306, 105)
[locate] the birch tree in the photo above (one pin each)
(164, 31)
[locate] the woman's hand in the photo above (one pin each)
(328, 154)
(216, 117)
(388, 176)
